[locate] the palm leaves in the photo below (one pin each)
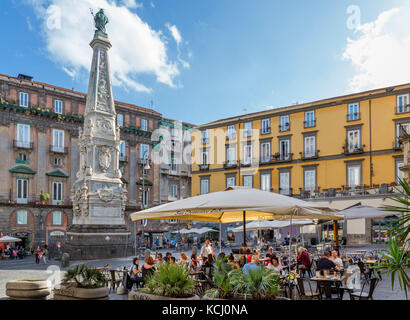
(83, 277)
(171, 280)
(259, 284)
(222, 283)
(396, 255)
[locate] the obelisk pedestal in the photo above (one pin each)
(98, 195)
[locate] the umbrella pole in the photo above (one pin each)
(244, 228)
(290, 243)
(220, 237)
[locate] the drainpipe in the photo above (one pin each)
(370, 131)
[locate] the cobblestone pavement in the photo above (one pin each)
(28, 269)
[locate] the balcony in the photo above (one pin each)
(204, 167)
(396, 145)
(265, 130)
(231, 137)
(353, 116)
(286, 191)
(280, 157)
(18, 144)
(284, 128)
(58, 149)
(309, 155)
(402, 108)
(353, 150)
(205, 140)
(248, 162)
(123, 158)
(309, 124)
(230, 164)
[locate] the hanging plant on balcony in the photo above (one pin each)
(44, 197)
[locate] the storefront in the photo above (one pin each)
(380, 227)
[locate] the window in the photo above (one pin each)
(58, 141)
(23, 99)
(399, 173)
(406, 127)
(284, 149)
(58, 106)
(284, 123)
(120, 120)
(231, 155)
(174, 167)
(247, 129)
(58, 161)
(247, 154)
(354, 173)
(230, 181)
(22, 190)
(145, 198)
(144, 124)
(310, 119)
(122, 148)
(173, 191)
(144, 151)
(22, 157)
(402, 103)
(21, 217)
(248, 181)
(23, 135)
(231, 132)
(353, 112)
(310, 147)
(174, 133)
(265, 152)
(310, 180)
(205, 136)
(266, 181)
(265, 126)
(204, 157)
(57, 195)
(284, 182)
(57, 218)
(353, 140)
(204, 186)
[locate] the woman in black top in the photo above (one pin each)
(135, 273)
(148, 268)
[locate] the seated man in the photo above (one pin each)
(325, 263)
(335, 258)
(251, 265)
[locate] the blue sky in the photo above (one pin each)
(199, 61)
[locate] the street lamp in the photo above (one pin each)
(145, 167)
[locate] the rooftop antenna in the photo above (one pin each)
(151, 104)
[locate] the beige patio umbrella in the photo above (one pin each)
(238, 204)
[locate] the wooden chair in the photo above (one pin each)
(364, 295)
(304, 294)
(326, 289)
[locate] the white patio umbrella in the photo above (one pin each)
(364, 212)
(236, 204)
(268, 225)
(7, 239)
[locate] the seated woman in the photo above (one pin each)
(274, 264)
(135, 272)
(147, 268)
(194, 264)
(183, 259)
(231, 262)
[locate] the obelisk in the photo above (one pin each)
(98, 194)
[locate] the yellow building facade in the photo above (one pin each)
(342, 146)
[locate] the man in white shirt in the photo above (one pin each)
(336, 260)
(206, 249)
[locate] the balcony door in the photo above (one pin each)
(310, 146)
(353, 140)
(284, 182)
(22, 190)
(284, 149)
(23, 135)
(265, 152)
(58, 140)
(310, 180)
(57, 192)
(354, 174)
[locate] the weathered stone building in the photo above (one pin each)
(39, 136)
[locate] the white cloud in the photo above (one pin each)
(380, 52)
(132, 4)
(178, 39)
(137, 48)
(152, 4)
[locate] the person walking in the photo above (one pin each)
(45, 254)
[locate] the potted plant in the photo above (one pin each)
(260, 284)
(82, 283)
(293, 240)
(168, 282)
(44, 197)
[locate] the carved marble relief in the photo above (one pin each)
(104, 158)
(103, 93)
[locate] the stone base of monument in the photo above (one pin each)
(90, 242)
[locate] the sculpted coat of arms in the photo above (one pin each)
(104, 158)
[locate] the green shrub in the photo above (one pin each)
(84, 277)
(170, 280)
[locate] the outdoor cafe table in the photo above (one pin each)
(336, 280)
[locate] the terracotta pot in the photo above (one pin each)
(138, 295)
(72, 293)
